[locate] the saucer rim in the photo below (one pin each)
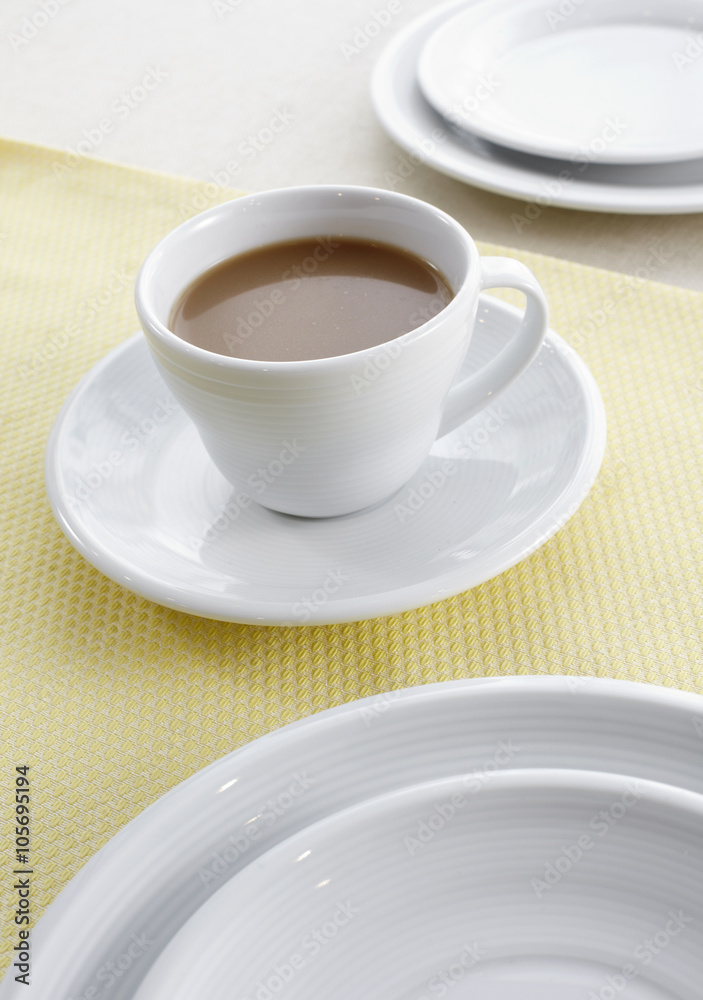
(218, 607)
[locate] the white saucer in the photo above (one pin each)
(673, 188)
(603, 79)
(540, 885)
(135, 492)
(155, 873)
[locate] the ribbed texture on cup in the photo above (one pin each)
(326, 440)
(364, 422)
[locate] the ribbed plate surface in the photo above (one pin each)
(567, 882)
(151, 877)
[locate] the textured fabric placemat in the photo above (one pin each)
(112, 700)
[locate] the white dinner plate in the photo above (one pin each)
(538, 885)
(134, 490)
(596, 79)
(160, 868)
(426, 137)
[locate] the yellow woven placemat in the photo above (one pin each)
(113, 700)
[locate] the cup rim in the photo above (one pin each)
(186, 355)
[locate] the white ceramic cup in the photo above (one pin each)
(334, 435)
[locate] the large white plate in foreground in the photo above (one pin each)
(154, 874)
(671, 188)
(134, 490)
(542, 885)
(603, 77)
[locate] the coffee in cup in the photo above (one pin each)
(309, 298)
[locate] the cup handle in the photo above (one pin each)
(478, 390)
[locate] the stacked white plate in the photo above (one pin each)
(512, 839)
(582, 103)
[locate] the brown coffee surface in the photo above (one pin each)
(310, 298)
